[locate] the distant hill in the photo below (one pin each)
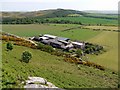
(43, 16)
(42, 13)
(102, 12)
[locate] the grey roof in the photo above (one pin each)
(45, 41)
(63, 39)
(50, 36)
(55, 42)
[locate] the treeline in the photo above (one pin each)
(101, 17)
(36, 21)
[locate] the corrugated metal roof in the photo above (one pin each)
(43, 38)
(62, 38)
(77, 43)
(55, 42)
(50, 36)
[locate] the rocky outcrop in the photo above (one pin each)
(38, 82)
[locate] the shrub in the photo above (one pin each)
(48, 48)
(9, 46)
(40, 46)
(26, 56)
(45, 48)
(79, 53)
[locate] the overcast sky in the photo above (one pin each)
(34, 5)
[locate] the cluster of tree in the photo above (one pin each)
(102, 17)
(36, 20)
(91, 48)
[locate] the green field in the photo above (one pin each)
(88, 20)
(55, 29)
(52, 68)
(103, 15)
(109, 40)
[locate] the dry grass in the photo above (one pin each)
(102, 27)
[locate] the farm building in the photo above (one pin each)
(49, 36)
(56, 44)
(59, 42)
(63, 39)
(78, 45)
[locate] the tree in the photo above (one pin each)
(9, 46)
(26, 56)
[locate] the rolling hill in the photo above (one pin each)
(41, 13)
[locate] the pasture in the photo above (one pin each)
(88, 20)
(102, 27)
(54, 29)
(109, 40)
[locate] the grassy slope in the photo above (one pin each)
(88, 20)
(32, 30)
(54, 69)
(110, 41)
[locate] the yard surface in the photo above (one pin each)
(107, 39)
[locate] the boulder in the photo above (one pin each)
(36, 80)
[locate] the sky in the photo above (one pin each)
(34, 5)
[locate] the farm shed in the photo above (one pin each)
(63, 39)
(45, 42)
(49, 36)
(36, 38)
(43, 38)
(55, 43)
(70, 46)
(78, 45)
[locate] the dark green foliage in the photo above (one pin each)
(48, 48)
(9, 46)
(79, 53)
(26, 56)
(40, 46)
(38, 21)
(91, 48)
(45, 48)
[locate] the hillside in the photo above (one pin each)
(41, 13)
(53, 68)
(102, 12)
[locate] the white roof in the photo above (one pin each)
(70, 45)
(77, 43)
(50, 36)
(44, 38)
